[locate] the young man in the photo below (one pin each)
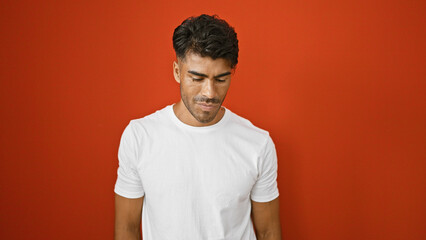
(198, 170)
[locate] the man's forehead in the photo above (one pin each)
(193, 59)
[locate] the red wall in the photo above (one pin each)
(340, 86)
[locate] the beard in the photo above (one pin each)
(200, 115)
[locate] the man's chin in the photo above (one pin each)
(205, 119)
(206, 116)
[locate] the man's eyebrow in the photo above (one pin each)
(204, 75)
(222, 75)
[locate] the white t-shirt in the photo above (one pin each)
(197, 181)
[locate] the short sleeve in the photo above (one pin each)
(128, 182)
(265, 189)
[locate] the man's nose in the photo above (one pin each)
(208, 89)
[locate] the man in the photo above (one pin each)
(198, 170)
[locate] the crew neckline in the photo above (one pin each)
(217, 125)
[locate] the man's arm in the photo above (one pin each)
(266, 219)
(128, 214)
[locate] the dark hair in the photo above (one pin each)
(208, 36)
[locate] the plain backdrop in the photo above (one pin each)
(340, 86)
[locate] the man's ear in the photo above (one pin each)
(176, 71)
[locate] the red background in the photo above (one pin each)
(340, 85)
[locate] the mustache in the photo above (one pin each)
(206, 99)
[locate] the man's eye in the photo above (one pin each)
(220, 80)
(197, 79)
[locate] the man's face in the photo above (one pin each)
(204, 83)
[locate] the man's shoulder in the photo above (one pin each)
(151, 120)
(243, 125)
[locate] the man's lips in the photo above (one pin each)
(207, 107)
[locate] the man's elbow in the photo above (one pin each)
(269, 235)
(127, 231)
